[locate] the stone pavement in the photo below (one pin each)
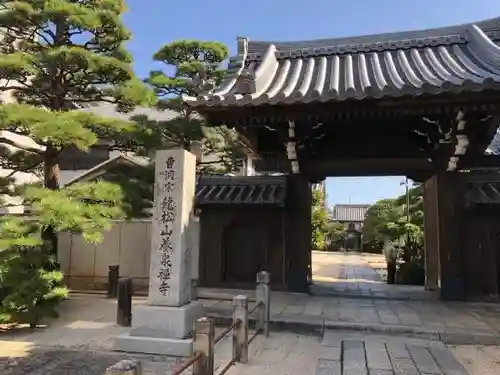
(354, 296)
(358, 354)
(358, 275)
(348, 354)
(454, 323)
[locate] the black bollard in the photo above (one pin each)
(124, 306)
(113, 277)
(391, 272)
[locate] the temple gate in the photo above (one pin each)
(424, 104)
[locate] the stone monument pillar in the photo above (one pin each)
(163, 325)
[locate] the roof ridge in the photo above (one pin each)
(445, 34)
(360, 205)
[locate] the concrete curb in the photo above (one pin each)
(325, 291)
(317, 325)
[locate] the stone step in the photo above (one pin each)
(379, 355)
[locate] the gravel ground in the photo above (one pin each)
(477, 359)
(56, 361)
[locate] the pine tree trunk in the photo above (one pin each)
(51, 171)
(51, 181)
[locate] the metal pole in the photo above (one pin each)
(407, 211)
(407, 200)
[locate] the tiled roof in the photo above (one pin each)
(451, 59)
(349, 212)
(241, 190)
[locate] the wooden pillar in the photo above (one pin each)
(449, 207)
(298, 233)
(431, 234)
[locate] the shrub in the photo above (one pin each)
(32, 287)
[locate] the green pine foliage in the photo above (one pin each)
(336, 234)
(31, 286)
(398, 231)
(57, 56)
(191, 67)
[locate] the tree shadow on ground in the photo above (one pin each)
(56, 361)
(78, 343)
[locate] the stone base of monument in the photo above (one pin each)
(161, 330)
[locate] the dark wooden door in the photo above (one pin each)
(481, 253)
(244, 252)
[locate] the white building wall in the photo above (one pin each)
(13, 205)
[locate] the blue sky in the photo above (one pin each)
(157, 22)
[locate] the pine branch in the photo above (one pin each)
(32, 149)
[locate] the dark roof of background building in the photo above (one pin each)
(349, 212)
(110, 110)
(450, 59)
(95, 172)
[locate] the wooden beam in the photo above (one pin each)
(479, 161)
(329, 167)
(385, 108)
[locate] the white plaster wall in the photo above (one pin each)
(126, 244)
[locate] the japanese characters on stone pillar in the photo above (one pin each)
(170, 269)
(164, 325)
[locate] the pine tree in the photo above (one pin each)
(57, 56)
(195, 66)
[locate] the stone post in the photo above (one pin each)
(204, 344)
(240, 332)
(263, 296)
(164, 325)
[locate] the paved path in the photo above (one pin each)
(80, 343)
(358, 275)
(349, 266)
